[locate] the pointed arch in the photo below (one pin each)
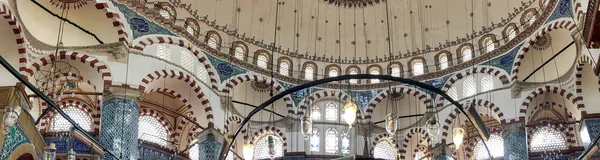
(477, 102)
(575, 99)
(385, 137)
(145, 111)
(422, 133)
(421, 95)
(501, 74)
(340, 95)
(10, 18)
(238, 79)
(93, 113)
(269, 130)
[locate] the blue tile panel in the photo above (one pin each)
(139, 24)
(515, 142)
(119, 128)
(152, 154)
(593, 129)
(225, 69)
(12, 140)
(64, 144)
(209, 150)
(562, 10)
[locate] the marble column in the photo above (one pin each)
(442, 152)
(210, 144)
(589, 130)
(119, 123)
(515, 141)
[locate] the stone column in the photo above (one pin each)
(515, 141)
(442, 152)
(119, 123)
(589, 130)
(210, 144)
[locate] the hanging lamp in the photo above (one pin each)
(433, 128)
(350, 113)
(71, 155)
(50, 152)
(10, 117)
(248, 151)
(391, 123)
(306, 126)
(271, 145)
(457, 136)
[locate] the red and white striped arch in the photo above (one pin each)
(145, 111)
(499, 73)
(145, 41)
(456, 112)
(239, 79)
(86, 59)
(423, 136)
(93, 113)
(385, 137)
(172, 74)
(117, 19)
(562, 23)
(269, 130)
(9, 17)
(321, 94)
(421, 95)
(573, 98)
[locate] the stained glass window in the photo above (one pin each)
(353, 71)
(374, 71)
(239, 52)
(202, 74)
(60, 124)
(187, 60)
(396, 70)
(314, 140)
(190, 29)
(261, 150)
(384, 150)
(418, 67)
(309, 72)
(345, 143)
(164, 52)
(487, 83)
(315, 113)
(333, 72)
(511, 32)
(497, 151)
(213, 41)
(284, 68)
(331, 112)
(165, 14)
(489, 45)
(443, 61)
(467, 53)
(419, 155)
(261, 61)
(331, 141)
(151, 130)
(469, 87)
(547, 139)
(194, 155)
(452, 93)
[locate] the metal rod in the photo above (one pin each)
(68, 21)
(548, 61)
(268, 110)
(400, 117)
(51, 103)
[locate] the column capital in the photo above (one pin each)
(122, 93)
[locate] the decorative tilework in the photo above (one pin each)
(505, 61)
(362, 98)
(210, 144)
(119, 127)
(589, 130)
(140, 25)
(563, 9)
(515, 141)
(62, 145)
(225, 69)
(149, 153)
(12, 140)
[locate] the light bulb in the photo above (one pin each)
(458, 135)
(350, 113)
(248, 151)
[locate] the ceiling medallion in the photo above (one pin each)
(396, 96)
(261, 86)
(68, 4)
(542, 42)
(354, 3)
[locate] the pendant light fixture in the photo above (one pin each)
(457, 136)
(71, 155)
(248, 151)
(50, 152)
(306, 126)
(271, 145)
(433, 128)
(10, 117)
(350, 113)
(391, 123)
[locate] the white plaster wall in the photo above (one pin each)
(590, 89)
(8, 50)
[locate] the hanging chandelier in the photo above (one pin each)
(433, 128)
(57, 79)
(350, 113)
(10, 117)
(306, 126)
(457, 136)
(391, 123)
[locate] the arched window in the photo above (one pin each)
(530, 17)
(487, 83)
(469, 87)
(261, 61)
(261, 150)
(489, 44)
(345, 142)
(193, 152)
(315, 113)
(452, 93)
(314, 140)
(202, 73)
(443, 58)
(239, 52)
(284, 68)
(187, 60)
(163, 52)
(384, 150)
(309, 72)
(333, 72)
(466, 53)
(418, 67)
(331, 141)
(190, 29)
(547, 139)
(151, 130)
(60, 124)
(164, 13)
(498, 148)
(331, 112)
(213, 41)
(396, 71)
(353, 71)
(419, 155)
(511, 32)
(374, 71)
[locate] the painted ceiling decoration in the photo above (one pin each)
(69, 4)
(354, 3)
